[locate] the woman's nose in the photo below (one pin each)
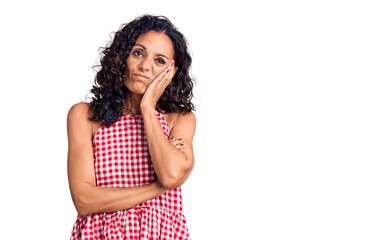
(145, 65)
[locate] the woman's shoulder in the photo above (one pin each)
(79, 115)
(175, 118)
(79, 110)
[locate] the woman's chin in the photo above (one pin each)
(139, 91)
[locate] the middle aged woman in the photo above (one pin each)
(130, 149)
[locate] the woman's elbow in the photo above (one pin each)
(175, 180)
(82, 209)
(82, 204)
(82, 212)
(170, 182)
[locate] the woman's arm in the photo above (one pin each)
(86, 196)
(172, 165)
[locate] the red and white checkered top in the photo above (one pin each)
(122, 159)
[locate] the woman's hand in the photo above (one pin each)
(156, 88)
(178, 143)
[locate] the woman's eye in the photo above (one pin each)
(137, 53)
(160, 61)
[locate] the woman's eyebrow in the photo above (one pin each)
(161, 55)
(143, 47)
(137, 44)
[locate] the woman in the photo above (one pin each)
(130, 149)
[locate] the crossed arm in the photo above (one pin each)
(172, 167)
(89, 198)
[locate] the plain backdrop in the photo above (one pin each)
(293, 114)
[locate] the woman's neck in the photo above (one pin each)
(132, 104)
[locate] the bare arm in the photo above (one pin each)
(86, 196)
(172, 165)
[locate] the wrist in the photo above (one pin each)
(146, 109)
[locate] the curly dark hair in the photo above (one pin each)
(109, 89)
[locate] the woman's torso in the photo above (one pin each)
(121, 159)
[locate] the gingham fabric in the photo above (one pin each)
(122, 159)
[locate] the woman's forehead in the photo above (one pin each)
(156, 43)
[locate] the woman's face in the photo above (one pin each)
(150, 55)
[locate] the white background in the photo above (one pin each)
(293, 114)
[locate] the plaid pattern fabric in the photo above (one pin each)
(122, 159)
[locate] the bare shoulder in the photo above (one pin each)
(187, 116)
(79, 112)
(79, 118)
(187, 119)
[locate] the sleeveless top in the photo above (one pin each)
(122, 159)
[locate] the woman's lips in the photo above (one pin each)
(143, 76)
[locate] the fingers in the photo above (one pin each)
(178, 143)
(171, 69)
(175, 141)
(167, 75)
(157, 86)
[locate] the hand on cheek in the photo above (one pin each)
(156, 88)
